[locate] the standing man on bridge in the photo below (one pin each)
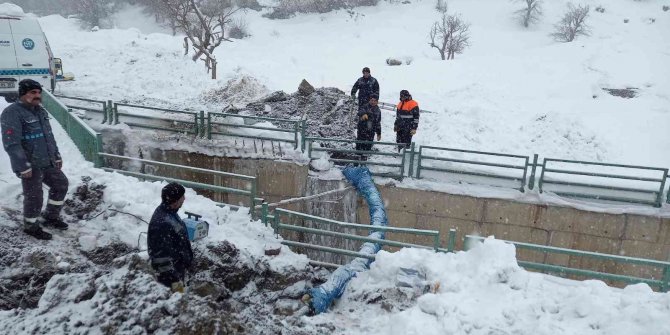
(366, 85)
(369, 124)
(29, 141)
(406, 120)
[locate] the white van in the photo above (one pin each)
(24, 52)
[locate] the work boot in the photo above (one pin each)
(55, 223)
(35, 231)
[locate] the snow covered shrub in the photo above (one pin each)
(600, 9)
(572, 24)
(239, 29)
(393, 62)
(93, 13)
(666, 8)
(530, 13)
(441, 6)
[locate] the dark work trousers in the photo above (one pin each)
(364, 135)
(403, 137)
(33, 195)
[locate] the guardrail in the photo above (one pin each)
(167, 120)
(105, 110)
(295, 129)
(632, 184)
(663, 284)
(595, 180)
(88, 141)
(250, 192)
(514, 170)
(346, 155)
(280, 225)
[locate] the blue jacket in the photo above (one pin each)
(27, 137)
(169, 247)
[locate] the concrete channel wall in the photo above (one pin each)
(617, 234)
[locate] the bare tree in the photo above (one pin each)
(573, 24)
(204, 22)
(449, 36)
(531, 13)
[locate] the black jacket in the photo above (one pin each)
(407, 115)
(373, 125)
(169, 248)
(366, 87)
(28, 138)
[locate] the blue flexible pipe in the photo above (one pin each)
(323, 296)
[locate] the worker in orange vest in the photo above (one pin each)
(406, 120)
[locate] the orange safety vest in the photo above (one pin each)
(407, 106)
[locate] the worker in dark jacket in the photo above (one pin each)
(169, 247)
(406, 120)
(29, 141)
(369, 124)
(366, 85)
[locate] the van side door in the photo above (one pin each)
(31, 51)
(7, 57)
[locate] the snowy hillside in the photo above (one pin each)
(515, 90)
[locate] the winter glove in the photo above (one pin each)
(413, 131)
(364, 117)
(26, 174)
(379, 137)
(177, 286)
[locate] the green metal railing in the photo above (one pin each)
(663, 283)
(294, 127)
(601, 191)
(250, 192)
(86, 139)
(352, 156)
(520, 168)
(279, 225)
(105, 107)
(412, 162)
(164, 122)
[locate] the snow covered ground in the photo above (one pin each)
(482, 291)
(514, 90)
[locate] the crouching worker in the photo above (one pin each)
(170, 250)
(34, 156)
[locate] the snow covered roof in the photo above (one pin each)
(10, 9)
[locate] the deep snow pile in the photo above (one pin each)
(484, 291)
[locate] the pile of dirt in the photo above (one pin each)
(329, 112)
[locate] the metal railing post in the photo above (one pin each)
(436, 242)
(275, 223)
(106, 110)
(451, 242)
(252, 200)
(411, 160)
(264, 213)
(97, 159)
(531, 180)
(659, 197)
(303, 131)
(418, 164)
(115, 114)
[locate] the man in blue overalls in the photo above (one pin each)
(33, 153)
